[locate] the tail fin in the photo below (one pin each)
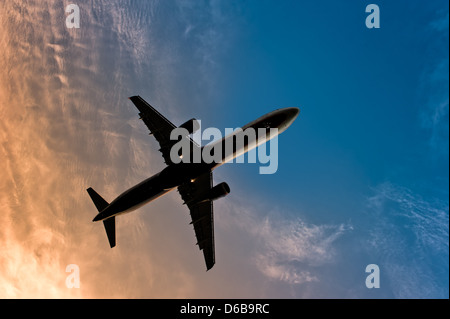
(110, 223)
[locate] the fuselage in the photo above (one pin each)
(174, 175)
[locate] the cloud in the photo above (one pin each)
(409, 236)
(63, 128)
(66, 124)
(425, 220)
(434, 87)
(284, 248)
(290, 248)
(441, 23)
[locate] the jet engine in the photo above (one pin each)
(214, 193)
(191, 126)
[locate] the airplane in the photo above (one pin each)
(194, 180)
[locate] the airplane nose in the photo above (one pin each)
(290, 114)
(293, 112)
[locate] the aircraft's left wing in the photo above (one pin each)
(201, 214)
(158, 125)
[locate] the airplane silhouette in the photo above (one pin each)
(193, 179)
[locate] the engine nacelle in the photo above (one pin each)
(214, 193)
(191, 126)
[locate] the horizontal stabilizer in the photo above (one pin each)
(99, 202)
(110, 227)
(110, 223)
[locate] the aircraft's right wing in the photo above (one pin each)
(158, 125)
(201, 214)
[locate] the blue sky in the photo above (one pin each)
(362, 175)
(374, 115)
(363, 93)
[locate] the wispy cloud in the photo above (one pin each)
(66, 124)
(285, 248)
(292, 249)
(410, 237)
(435, 83)
(57, 112)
